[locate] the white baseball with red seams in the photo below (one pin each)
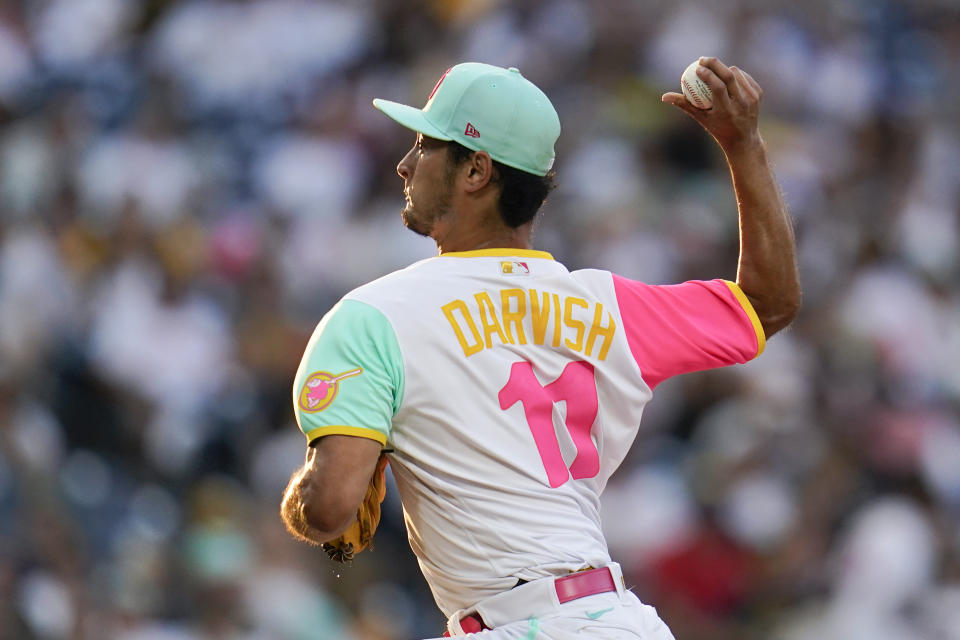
(695, 90)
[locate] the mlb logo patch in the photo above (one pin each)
(514, 268)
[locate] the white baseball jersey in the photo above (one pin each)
(510, 389)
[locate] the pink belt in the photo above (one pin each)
(577, 585)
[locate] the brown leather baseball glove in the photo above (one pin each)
(360, 534)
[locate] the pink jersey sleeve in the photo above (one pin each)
(696, 325)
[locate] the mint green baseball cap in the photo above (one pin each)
(487, 108)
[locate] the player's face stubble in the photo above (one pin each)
(428, 185)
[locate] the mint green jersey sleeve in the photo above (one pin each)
(350, 380)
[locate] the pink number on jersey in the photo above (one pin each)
(578, 389)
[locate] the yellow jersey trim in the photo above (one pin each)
(498, 253)
(344, 430)
(751, 313)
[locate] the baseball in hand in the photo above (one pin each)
(695, 90)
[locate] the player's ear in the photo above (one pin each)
(478, 171)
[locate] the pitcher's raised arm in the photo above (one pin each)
(767, 268)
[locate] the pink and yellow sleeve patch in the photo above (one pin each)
(696, 325)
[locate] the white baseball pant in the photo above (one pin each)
(532, 611)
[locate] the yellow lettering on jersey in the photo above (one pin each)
(511, 317)
(461, 306)
(573, 323)
(556, 320)
(488, 319)
(539, 315)
(596, 330)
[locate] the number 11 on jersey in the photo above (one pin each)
(576, 387)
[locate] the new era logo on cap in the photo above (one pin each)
(471, 131)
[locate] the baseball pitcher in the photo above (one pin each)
(504, 389)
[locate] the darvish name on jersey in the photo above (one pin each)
(522, 316)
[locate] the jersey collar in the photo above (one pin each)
(498, 253)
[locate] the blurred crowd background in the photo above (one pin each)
(186, 186)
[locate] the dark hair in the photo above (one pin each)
(521, 193)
